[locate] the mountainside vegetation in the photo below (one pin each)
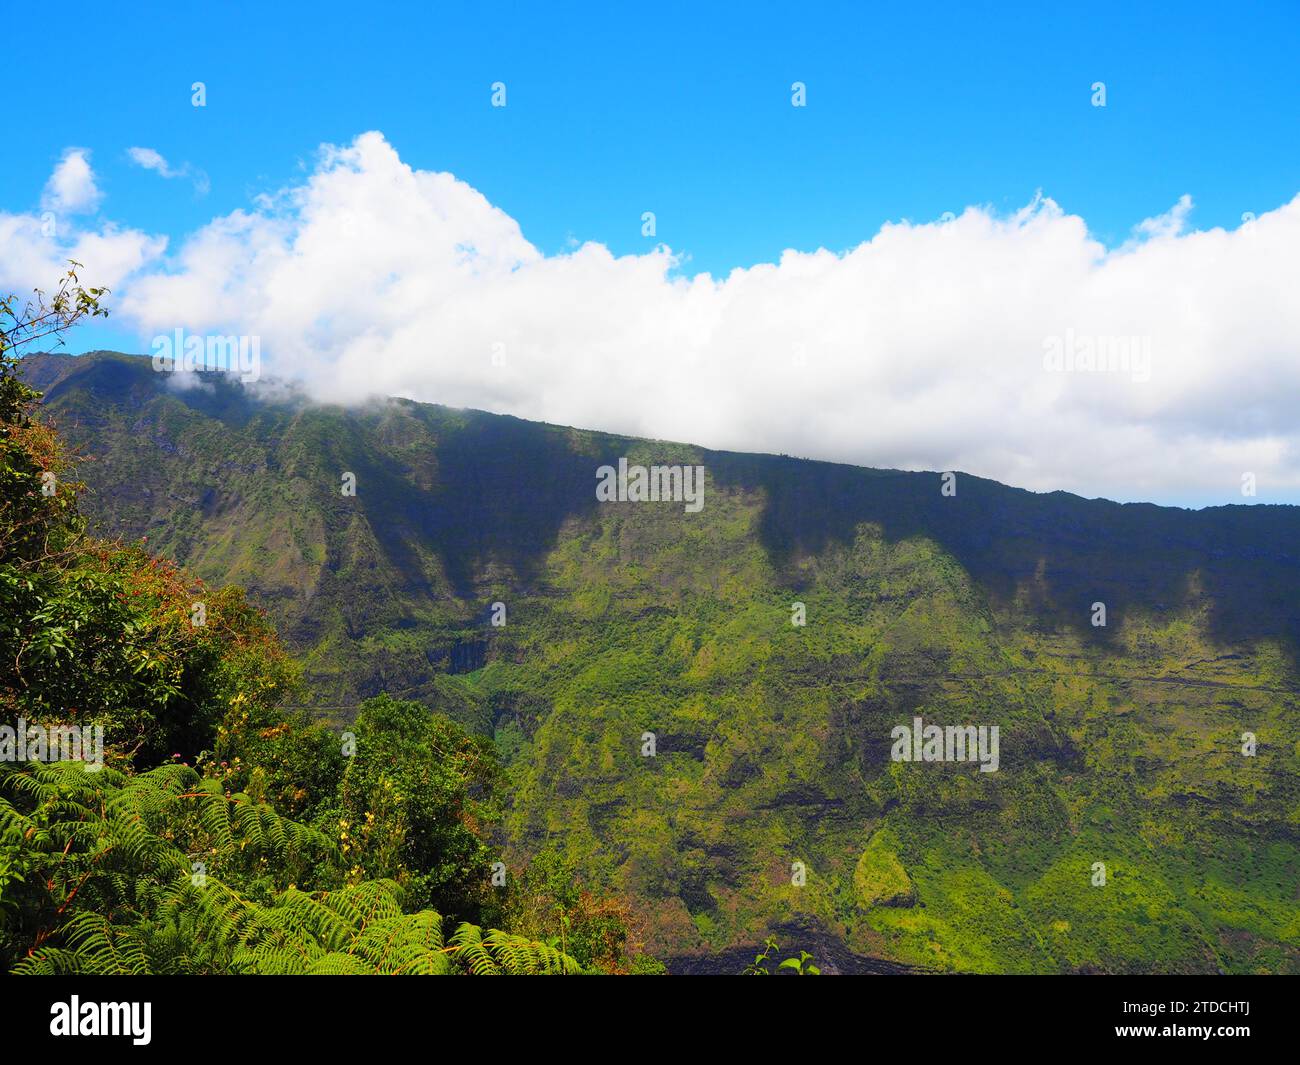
(209, 827)
(617, 701)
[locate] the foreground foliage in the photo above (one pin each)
(221, 832)
(95, 867)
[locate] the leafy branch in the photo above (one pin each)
(41, 316)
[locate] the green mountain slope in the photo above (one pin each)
(1119, 745)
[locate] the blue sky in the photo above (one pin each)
(683, 110)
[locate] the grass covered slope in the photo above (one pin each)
(1120, 745)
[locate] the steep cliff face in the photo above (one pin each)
(669, 720)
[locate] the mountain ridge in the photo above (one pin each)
(51, 368)
(773, 738)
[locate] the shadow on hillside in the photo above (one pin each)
(1060, 552)
(490, 494)
(501, 491)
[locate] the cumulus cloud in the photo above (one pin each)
(35, 248)
(72, 187)
(1011, 346)
(928, 346)
(151, 159)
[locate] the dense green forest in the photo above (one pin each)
(216, 831)
(612, 701)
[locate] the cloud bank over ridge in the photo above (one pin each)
(1014, 347)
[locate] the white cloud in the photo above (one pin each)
(72, 187)
(35, 248)
(920, 348)
(1170, 224)
(36, 253)
(150, 159)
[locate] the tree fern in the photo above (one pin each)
(502, 954)
(115, 893)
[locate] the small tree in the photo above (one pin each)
(37, 511)
(800, 966)
(38, 317)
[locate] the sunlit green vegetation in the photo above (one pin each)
(1120, 745)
